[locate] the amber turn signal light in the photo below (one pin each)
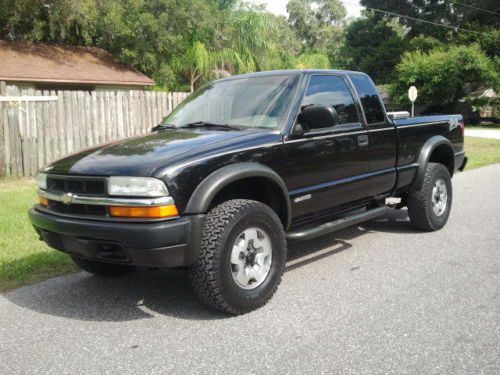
(44, 201)
(144, 212)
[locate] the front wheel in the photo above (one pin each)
(429, 207)
(242, 257)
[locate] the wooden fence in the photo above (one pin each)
(37, 127)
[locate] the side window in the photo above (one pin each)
(369, 99)
(332, 90)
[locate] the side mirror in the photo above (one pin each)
(318, 117)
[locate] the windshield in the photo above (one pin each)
(257, 102)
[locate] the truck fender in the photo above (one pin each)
(425, 154)
(205, 192)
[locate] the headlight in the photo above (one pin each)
(137, 187)
(41, 179)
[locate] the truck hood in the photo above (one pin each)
(138, 156)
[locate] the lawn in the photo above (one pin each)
(481, 152)
(25, 260)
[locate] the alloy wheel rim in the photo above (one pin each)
(439, 197)
(251, 258)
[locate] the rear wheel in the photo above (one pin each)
(102, 268)
(429, 208)
(242, 257)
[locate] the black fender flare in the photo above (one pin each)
(204, 193)
(425, 153)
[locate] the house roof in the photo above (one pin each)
(65, 64)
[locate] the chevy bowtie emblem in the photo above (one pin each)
(67, 198)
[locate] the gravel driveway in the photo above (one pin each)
(379, 298)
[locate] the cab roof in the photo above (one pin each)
(294, 72)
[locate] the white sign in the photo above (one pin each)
(412, 93)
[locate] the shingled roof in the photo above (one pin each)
(65, 64)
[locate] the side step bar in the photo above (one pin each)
(311, 232)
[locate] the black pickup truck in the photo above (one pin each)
(242, 166)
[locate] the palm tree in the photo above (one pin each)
(195, 63)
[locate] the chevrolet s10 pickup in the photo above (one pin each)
(241, 167)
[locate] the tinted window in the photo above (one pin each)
(369, 99)
(256, 102)
(332, 90)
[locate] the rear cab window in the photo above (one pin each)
(370, 100)
(332, 90)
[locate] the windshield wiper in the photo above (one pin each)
(163, 127)
(204, 124)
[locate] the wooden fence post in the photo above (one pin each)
(3, 124)
(13, 138)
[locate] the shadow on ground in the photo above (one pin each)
(143, 294)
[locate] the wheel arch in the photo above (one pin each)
(437, 149)
(230, 177)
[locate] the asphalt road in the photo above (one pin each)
(379, 298)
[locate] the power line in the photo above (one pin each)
(454, 2)
(475, 7)
(454, 28)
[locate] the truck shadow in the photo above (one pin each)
(394, 221)
(144, 294)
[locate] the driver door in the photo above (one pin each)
(325, 168)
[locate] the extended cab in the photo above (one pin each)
(240, 167)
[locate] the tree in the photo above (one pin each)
(489, 40)
(374, 46)
(194, 64)
(257, 38)
(180, 43)
(313, 19)
(444, 75)
(451, 13)
(68, 21)
(148, 35)
(151, 34)
(424, 43)
(312, 61)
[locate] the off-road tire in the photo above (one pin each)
(102, 268)
(420, 209)
(211, 276)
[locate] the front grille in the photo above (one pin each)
(80, 185)
(77, 209)
(77, 185)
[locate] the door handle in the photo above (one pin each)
(363, 140)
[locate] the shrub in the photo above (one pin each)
(444, 75)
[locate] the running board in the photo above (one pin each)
(311, 232)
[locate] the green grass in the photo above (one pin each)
(23, 258)
(26, 260)
(481, 152)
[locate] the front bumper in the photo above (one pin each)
(170, 243)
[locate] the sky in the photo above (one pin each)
(279, 6)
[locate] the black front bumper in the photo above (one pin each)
(171, 243)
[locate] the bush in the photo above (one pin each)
(444, 75)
